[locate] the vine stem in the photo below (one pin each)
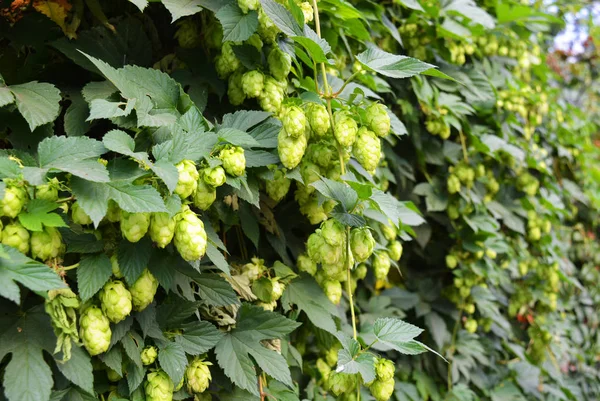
(464, 145)
(451, 349)
(349, 283)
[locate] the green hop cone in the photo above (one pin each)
(234, 161)
(271, 97)
(389, 231)
(278, 288)
(280, 63)
(266, 28)
(188, 33)
(322, 154)
(113, 375)
(333, 232)
(113, 214)
(134, 225)
(48, 191)
(247, 5)
(204, 196)
(158, 387)
(13, 201)
(79, 216)
(278, 187)
(197, 376)
(367, 149)
(451, 261)
(148, 355)
(381, 265)
(471, 325)
(340, 383)
(254, 270)
(361, 243)
(313, 246)
(384, 369)
(336, 271)
(333, 290)
(345, 129)
(235, 93)
(94, 330)
(307, 11)
(294, 121)
(227, 62)
(114, 262)
(360, 272)
(291, 150)
(306, 264)
(310, 173)
(395, 250)
(318, 118)
(382, 390)
(215, 177)
(115, 301)
(188, 178)
(378, 119)
(256, 41)
(253, 82)
(46, 244)
(190, 237)
(453, 184)
(143, 290)
(16, 236)
(162, 229)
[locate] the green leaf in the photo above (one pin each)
(9, 168)
(37, 102)
(217, 258)
(214, 290)
(351, 360)
(134, 258)
(396, 210)
(173, 360)
(132, 344)
(392, 65)
(341, 192)
(93, 272)
(141, 4)
(396, 333)
(306, 294)
(76, 115)
(243, 120)
(191, 146)
(32, 274)
(182, 8)
(260, 158)
(198, 337)
(318, 48)
(249, 222)
(349, 219)
(6, 96)
(266, 135)
(469, 9)
(113, 358)
(237, 26)
(237, 137)
(78, 369)
(412, 4)
(281, 17)
(101, 108)
(38, 214)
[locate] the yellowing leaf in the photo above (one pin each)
(57, 11)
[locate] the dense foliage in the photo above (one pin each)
(265, 200)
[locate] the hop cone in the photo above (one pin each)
(115, 301)
(113, 214)
(271, 97)
(148, 355)
(253, 82)
(46, 244)
(215, 177)
(333, 290)
(188, 34)
(13, 201)
(235, 93)
(256, 41)
(79, 216)
(114, 262)
(294, 121)
(197, 376)
(234, 161)
(280, 64)
(360, 272)
(381, 265)
(395, 250)
(188, 178)
(318, 118)
(17, 236)
(382, 390)
(306, 264)
(134, 225)
(266, 28)
(378, 119)
(361, 243)
(143, 290)
(247, 5)
(384, 369)
(204, 196)
(158, 387)
(290, 149)
(94, 330)
(389, 231)
(333, 232)
(227, 62)
(340, 383)
(162, 229)
(61, 305)
(190, 237)
(254, 270)
(47, 191)
(279, 186)
(367, 149)
(307, 11)
(345, 129)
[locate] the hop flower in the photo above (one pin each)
(294, 121)
(382, 390)
(395, 250)
(188, 178)
(148, 355)
(378, 119)
(280, 63)
(204, 196)
(335, 271)
(360, 272)
(318, 118)
(333, 232)
(367, 149)
(256, 41)
(158, 387)
(322, 154)
(453, 184)
(227, 62)
(290, 149)
(389, 231)
(46, 244)
(162, 229)
(115, 301)
(235, 93)
(361, 243)
(114, 262)
(381, 265)
(306, 264)
(215, 177)
(316, 213)
(310, 173)
(247, 5)
(278, 288)
(307, 11)
(134, 225)
(188, 34)
(471, 325)
(266, 28)
(451, 261)
(16, 236)
(271, 97)
(333, 290)
(340, 383)
(94, 330)
(253, 82)
(197, 376)
(313, 246)
(345, 129)
(13, 201)
(279, 186)
(143, 290)
(113, 214)
(234, 161)
(190, 237)
(384, 369)
(254, 270)
(48, 191)
(79, 216)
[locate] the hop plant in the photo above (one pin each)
(215, 177)
(361, 243)
(113, 213)
(453, 184)
(190, 237)
(16, 236)
(395, 250)
(318, 118)
(247, 5)
(333, 232)
(333, 290)
(278, 288)
(381, 265)
(79, 216)
(114, 262)
(197, 376)
(13, 201)
(291, 150)
(360, 272)
(143, 290)
(188, 34)
(378, 119)
(235, 93)
(256, 41)
(253, 82)
(226, 62)
(204, 196)
(188, 178)
(278, 187)
(307, 11)
(271, 97)
(294, 121)
(134, 225)
(340, 383)
(48, 191)
(345, 129)
(306, 264)
(384, 369)
(94, 330)
(266, 28)
(162, 229)
(158, 387)
(382, 390)
(148, 355)
(46, 244)
(234, 161)
(389, 231)
(367, 149)
(280, 63)
(115, 301)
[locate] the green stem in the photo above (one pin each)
(349, 283)
(451, 349)
(350, 78)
